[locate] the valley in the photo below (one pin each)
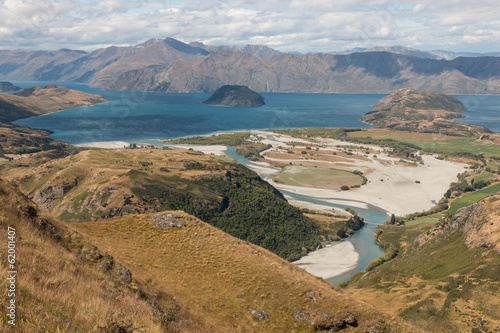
(205, 227)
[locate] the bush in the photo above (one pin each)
(344, 188)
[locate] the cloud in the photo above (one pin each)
(313, 25)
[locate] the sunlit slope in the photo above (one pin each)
(100, 184)
(66, 284)
(446, 277)
(229, 284)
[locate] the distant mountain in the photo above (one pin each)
(435, 54)
(404, 50)
(168, 65)
(449, 55)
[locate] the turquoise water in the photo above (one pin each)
(133, 116)
(362, 240)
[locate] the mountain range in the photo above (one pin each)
(168, 65)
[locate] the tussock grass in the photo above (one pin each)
(219, 277)
(63, 283)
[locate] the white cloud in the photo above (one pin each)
(313, 25)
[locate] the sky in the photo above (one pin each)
(293, 25)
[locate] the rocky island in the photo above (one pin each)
(421, 111)
(233, 95)
(7, 87)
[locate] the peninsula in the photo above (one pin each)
(8, 86)
(421, 111)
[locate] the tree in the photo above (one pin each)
(393, 219)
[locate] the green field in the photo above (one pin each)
(471, 198)
(426, 219)
(464, 201)
(318, 178)
(466, 145)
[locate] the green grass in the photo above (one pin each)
(485, 176)
(318, 178)
(471, 198)
(427, 219)
(468, 145)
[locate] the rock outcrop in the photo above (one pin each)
(479, 222)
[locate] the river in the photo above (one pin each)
(363, 240)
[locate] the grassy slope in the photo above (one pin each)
(101, 184)
(220, 278)
(436, 143)
(65, 284)
(463, 201)
(442, 285)
(43, 100)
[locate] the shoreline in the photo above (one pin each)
(398, 193)
(330, 261)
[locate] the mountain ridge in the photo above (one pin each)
(168, 65)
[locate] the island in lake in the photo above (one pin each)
(233, 95)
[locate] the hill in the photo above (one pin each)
(445, 277)
(99, 184)
(42, 100)
(228, 284)
(168, 65)
(236, 96)
(421, 111)
(189, 278)
(7, 86)
(65, 283)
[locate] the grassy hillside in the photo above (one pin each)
(42, 100)
(227, 283)
(101, 184)
(22, 140)
(445, 277)
(66, 284)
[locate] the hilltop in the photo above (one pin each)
(236, 96)
(139, 275)
(445, 276)
(228, 284)
(421, 111)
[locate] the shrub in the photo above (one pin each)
(344, 188)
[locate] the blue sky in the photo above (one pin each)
(297, 25)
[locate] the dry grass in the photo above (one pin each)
(219, 278)
(63, 284)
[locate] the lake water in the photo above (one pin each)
(134, 117)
